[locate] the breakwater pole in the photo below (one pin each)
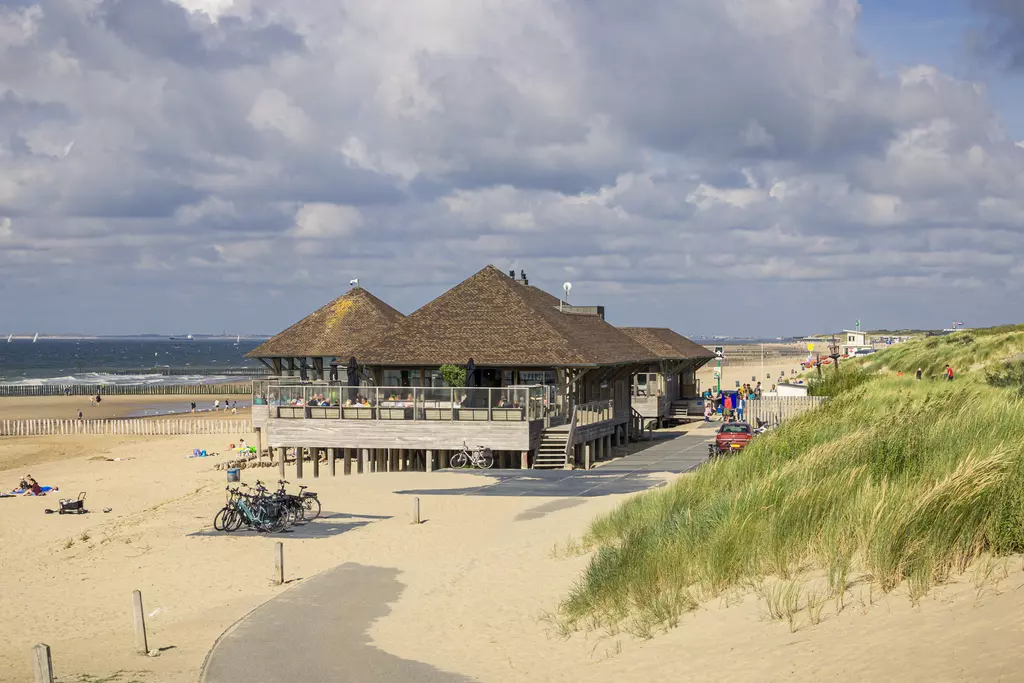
(127, 427)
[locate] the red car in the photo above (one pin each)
(732, 437)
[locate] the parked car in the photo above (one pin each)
(732, 437)
(863, 352)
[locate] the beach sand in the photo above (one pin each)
(476, 583)
(67, 407)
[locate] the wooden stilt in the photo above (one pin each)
(280, 458)
(298, 462)
(524, 460)
(588, 455)
(347, 467)
(316, 462)
(332, 455)
(430, 461)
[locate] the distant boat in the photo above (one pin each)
(189, 337)
(238, 340)
(35, 338)
(9, 337)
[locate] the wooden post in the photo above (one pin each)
(416, 510)
(298, 462)
(279, 563)
(588, 455)
(524, 460)
(364, 461)
(280, 455)
(42, 664)
(347, 469)
(332, 458)
(259, 446)
(430, 461)
(316, 462)
(141, 645)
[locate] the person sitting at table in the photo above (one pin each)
(503, 403)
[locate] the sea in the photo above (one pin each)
(125, 360)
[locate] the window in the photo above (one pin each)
(849, 338)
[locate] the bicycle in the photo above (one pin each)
(259, 511)
(480, 457)
(306, 504)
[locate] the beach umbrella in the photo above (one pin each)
(353, 372)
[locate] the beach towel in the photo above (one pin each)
(44, 489)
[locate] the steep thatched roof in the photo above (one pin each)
(337, 329)
(667, 344)
(497, 321)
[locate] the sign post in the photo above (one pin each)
(720, 352)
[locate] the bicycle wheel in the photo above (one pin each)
(221, 518)
(310, 508)
(458, 460)
(234, 523)
(486, 459)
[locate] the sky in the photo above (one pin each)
(733, 167)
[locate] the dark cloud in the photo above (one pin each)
(1004, 34)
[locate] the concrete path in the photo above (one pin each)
(674, 453)
(316, 632)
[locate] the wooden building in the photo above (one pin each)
(551, 385)
(667, 389)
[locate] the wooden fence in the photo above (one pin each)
(232, 388)
(128, 427)
(779, 409)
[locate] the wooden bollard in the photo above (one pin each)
(141, 645)
(416, 510)
(279, 563)
(42, 664)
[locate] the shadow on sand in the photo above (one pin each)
(326, 525)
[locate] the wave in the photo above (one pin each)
(111, 379)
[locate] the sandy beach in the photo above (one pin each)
(477, 579)
(67, 407)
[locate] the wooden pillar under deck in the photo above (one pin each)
(363, 461)
(588, 455)
(316, 463)
(430, 461)
(259, 445)
(332, 459)
(347, 464)
(524, 460)
(298, 462)
(280, 460)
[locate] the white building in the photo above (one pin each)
(851, 341)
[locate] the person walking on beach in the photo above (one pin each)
(193, 406)
(216, 406)
(79, 415)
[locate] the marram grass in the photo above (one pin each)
(892, 480)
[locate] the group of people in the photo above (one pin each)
(731, 408)
(228, 405)
(947, 373)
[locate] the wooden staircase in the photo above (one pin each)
(679, 411)
(551, 454)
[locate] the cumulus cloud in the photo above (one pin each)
(666, 156)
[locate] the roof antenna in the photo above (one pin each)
(567, 287)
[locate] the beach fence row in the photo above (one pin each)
(778, 409)
(228, 388)
(127, 427)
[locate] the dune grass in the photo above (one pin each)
(892, 482)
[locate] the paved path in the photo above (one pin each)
(316, 633)
(674, 453)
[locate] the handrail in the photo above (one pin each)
(569, 445)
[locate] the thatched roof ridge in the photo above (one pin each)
(667, 344)
(500, 322)
(336, 329)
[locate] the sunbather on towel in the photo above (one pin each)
(31, 487)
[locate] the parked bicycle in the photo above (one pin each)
(306, 504)
(478, 457)
(261, 511)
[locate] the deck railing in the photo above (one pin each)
(462, 404)
(594, 411)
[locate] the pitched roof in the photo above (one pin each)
(497, 321)
(667, 344)
(337, 329)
